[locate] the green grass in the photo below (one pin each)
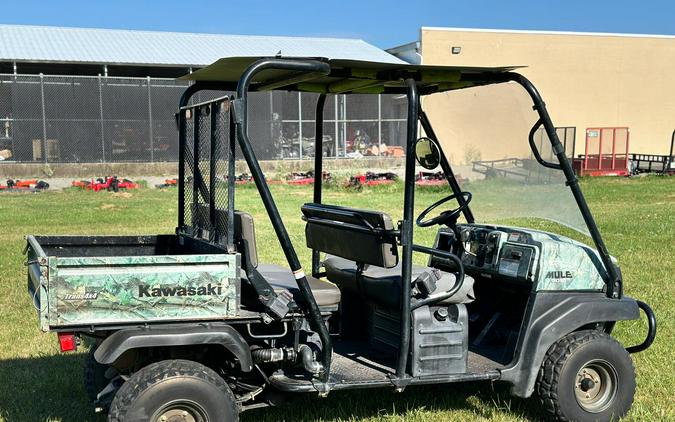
(636, 217)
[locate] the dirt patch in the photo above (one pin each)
(122, 195)
(107, 206)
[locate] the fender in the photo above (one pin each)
(176, 335)
(551, 316)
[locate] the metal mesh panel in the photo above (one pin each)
(126, 119)
(208, 166)
(6, 139)
(164, 97)
(73, 124)
(187, 117)
(221, 166)
(25, 115)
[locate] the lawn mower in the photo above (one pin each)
(192, 326)
(371, 179)
(32, 185)
(168, 183)
(305, 178)
(110, 184)
(425, 178)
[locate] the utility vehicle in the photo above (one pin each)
(192, 327)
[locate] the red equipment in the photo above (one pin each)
(606, 152)
(243, 179)
(168, 183)
(371, 179)
(32, 185)
(425, 178)
(299, 178)
(109, 183)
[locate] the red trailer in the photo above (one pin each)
(606, 152)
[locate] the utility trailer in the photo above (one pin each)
(653, 163)
(606, 152)
(192, 327)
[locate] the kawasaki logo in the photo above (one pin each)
(559, 274)
(208, 290)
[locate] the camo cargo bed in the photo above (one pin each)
(87, 281)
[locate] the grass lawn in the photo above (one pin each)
(636, 216)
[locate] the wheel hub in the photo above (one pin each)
(178, 414)
(595, 386)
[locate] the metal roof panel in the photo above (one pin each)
(112, 46)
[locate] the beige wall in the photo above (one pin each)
(585, 80)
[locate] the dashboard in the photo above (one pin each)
(490, 251)
(528, 257)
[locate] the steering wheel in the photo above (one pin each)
(446, 217)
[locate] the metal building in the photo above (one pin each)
(74, 95)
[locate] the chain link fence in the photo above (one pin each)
(85, 119)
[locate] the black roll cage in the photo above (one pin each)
(306, 69)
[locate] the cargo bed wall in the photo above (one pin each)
(81, 291)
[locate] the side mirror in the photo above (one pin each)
(427, 153)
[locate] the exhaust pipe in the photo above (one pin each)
(304, 354)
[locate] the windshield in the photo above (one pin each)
(484, 134)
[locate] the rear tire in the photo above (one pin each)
(179, 390)
(587, 376)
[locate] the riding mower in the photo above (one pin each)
(305, 178)
(33, 185)
(192, 326)
(371, 179)
(110, 184)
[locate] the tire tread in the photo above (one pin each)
(550, 371)
(158, 371)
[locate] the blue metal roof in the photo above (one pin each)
(112, 46)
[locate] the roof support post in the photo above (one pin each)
(309, 67)
(318, 169)
(407, 226)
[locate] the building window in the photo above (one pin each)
(456, 50)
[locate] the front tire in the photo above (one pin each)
(587, 376)
(179, 390)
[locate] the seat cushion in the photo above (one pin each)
(326, 294)
(383, 285)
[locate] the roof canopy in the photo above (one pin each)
(349, 76)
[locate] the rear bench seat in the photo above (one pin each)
(326, 294)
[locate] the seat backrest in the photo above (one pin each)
(363, 236)
(244, 229)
